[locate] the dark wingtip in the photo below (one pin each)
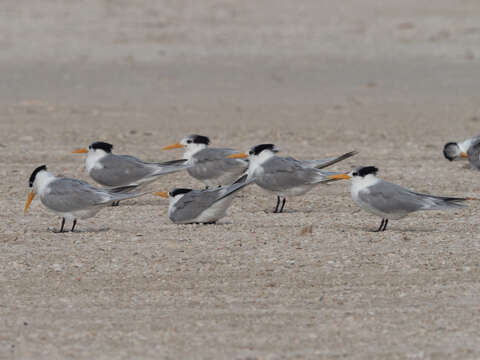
(241, 179)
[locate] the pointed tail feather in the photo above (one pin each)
(320, 164)
(122, 189)
(443, 202)
(172, 166)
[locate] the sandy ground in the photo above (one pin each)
(394, 83)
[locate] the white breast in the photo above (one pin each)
(93, 159)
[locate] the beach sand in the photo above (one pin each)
(394, 82)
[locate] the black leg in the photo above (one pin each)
(283, 204)
(115, 203)
(381, 226)
(276, 207)
(385, 225)
(74, 223)
(63, 224)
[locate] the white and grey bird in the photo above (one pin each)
(473, 154)
(459, 150)
(72, 199)
(210, 165)
(391, 201)
(286, 176)
(187, 206)
(113, 170)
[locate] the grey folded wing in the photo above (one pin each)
(193, 203)
(473, 153)
(121, 170)
(284, 173)
(67, 195)
(392, 198)
(213, 163)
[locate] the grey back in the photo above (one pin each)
(284, 173)
(474, 154)
(193, 203)
(213, 163)
(394, 199)
(67, 195)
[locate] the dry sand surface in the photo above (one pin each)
(394, 82)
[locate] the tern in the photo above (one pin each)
(286, 176)
(210, 165)
(113, 170)
(391, 201)
(473, 154)
(206, 206)
(458, 150)
(72, 199)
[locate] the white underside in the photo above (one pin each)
(296, 191)
(81, 214)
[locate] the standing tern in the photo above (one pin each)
(458, 150)
(72, 199)
(210, 165)
(286, 176)
(206, 206)
(391, 201)
(113, 170)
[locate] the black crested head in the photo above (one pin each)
(179, 191)
(34, 174)
(259, 148)
(364, 171)
(101, 145)
(451, 151)
(199, 139)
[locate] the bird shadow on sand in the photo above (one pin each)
(395, 230)
(291, 211)
(151, 202)
(54, 230)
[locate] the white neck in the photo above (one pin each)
(93, 157)
(42, 180)
(257, 160)
(464, 145)
(192, 149)
(360, 183)
(172, 201)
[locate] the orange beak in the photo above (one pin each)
(237, 156)
(80, 151)
(29, 201)
(339, 177)
(464, 155)
(161, 193)
(173, 146)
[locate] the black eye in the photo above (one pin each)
(355, 174)
(89, 146)
(250, 152)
